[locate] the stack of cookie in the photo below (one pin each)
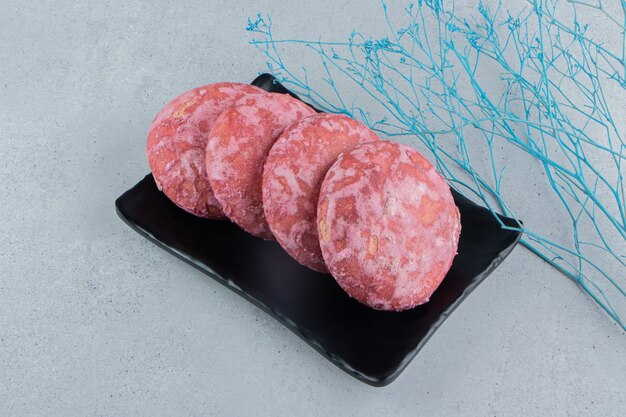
(375, 214)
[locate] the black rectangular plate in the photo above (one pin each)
(373, 346)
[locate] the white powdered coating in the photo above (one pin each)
(293, 175)
(388, 225)
(177, 172)
(221, 169)
(250, 113)
(167, 111)
(236, 152)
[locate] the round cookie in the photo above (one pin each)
(293, 175)
(388, 226)
(177, 141)
(236, 152)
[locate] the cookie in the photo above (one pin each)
(177, 142)
(293, 175)
(236, 151)
(388, 225)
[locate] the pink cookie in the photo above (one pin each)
(236, 152)
(177, 142)
(293, 175)
(388, 225)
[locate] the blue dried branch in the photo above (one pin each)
(432, 79)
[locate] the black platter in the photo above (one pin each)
(373, 346)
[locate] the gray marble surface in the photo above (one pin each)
(96, 321)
